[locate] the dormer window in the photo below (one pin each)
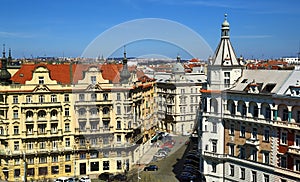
(93, 79)
(41, 80)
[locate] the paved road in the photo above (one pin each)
(168, 167)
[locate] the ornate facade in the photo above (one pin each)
(248, 128)
(73, 119)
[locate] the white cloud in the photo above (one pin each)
(15, 34)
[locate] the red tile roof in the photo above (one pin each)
(62, 72)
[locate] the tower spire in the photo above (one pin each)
(225, 28)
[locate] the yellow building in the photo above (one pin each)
(72, 119)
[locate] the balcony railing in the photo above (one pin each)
(215, 155)
(294, 150)
(252, 141)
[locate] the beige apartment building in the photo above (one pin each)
(73, 119)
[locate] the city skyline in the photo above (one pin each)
(59, 28)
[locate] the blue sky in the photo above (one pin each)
(259, 29)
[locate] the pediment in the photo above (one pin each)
(94, 87)
(41, 88)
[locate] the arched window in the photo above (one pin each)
(82, 111)
(42, 114)
(105, 110)
(231, 107)
(94, 111)
(53, 113)
(29, 114)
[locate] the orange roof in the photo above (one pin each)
(62, 72)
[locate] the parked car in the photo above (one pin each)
(106, 176)
(120, 177)
(162, 152)
(62, 179)
(85, 179)
(151, 168)
(167, 149)
(160, 155)
(73, 179)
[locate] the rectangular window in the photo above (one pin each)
(283, 139)
(119, 138)
(82, 156)
(43, 160)
(81, 97)
(53, 98)
(30, 145)
(68, 168)
(30, 160)
(67, 98)
(67, 127)
(254, 154)
(266, 157)
(17, 173)
(119, 164)
(105, 165)
(67, 112)
(214, 146)
(297, 165)
(15, 99)
(55, 158)
(118, 96)
(231, 172)
(41, 80)
(182, 91)
(43, 171)
(118, 110)
(16, 146)
(93, 80)
(93, 97)
(16, 130)
(28, 99)
(15, 114)
(68, 157)
(41, 98)
(254, 176)
(231, 150)
(254, 133)
(105, 96)
(297, 140)
(283, 161)
(243, 132)
(214, 127)
(266, 178)
(267, 135)
(243, 173)
(54, 169)
(231, 131)
(94, 166)
(68, 143)
(42, 145)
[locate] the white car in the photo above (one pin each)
(85, 179)
(62, 179)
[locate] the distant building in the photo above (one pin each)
(178, 98)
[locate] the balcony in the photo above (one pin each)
(252, 141)
(294, 150)
(215, 155)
